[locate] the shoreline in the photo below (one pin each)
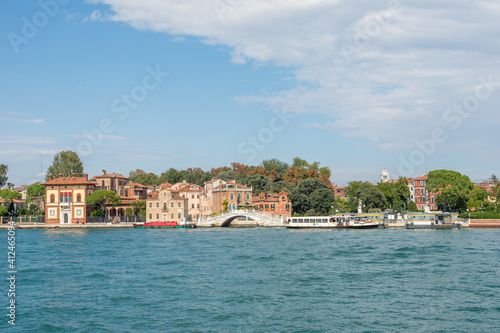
(20, 226)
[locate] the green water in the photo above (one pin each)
(255, 280)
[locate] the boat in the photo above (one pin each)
(433, 221)
(345, 221)
(163, 225)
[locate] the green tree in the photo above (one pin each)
(4, 211)
(322, 200)
(301, 194)
(370, 196)
(139, 206)
(341, 205)
(66, 162)
(35, 191)
(259, 183)
(495, 190)
(396, 193)
(9, 197)
(412, 207)
(129, 212)
(3, 174)
(453, 189)
(478, 198)
(275, 164)
(100, 198)
(224, 205)
(146, 179)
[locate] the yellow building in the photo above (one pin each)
(165, 206)
(65, 199)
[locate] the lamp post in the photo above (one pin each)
(332, 211)
(481, 211)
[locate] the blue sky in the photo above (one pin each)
(358, 86)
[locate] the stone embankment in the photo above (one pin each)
(484, 223)
(69, 226)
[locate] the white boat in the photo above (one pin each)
(345, 221)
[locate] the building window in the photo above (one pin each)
(179, 216)
(164, 194)
(150, 205)
(171, 204)
(267, 207)
(192, 206)
(272, 206)
(172, 216)
(260, 207)
(198, 206)
(150, 216)
(102, 183)
(287, 207)
(126, 193)
(157, 216)
(239, 197)
(164, 206)
(232, 196)
(179, 204)
(192, 196)
(52, 198)
(78, 197)
(157, 205)
(248, 196)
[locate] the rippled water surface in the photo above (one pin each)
(256, 280)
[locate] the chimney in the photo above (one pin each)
(60, 175)
(50, 176)
(86, 176)
(103, 172)
(74, 174)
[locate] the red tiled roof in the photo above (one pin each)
(421, 178)
(177, 197)
(107, 175)
(165, 185)
(68, 181)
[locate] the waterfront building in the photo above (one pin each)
(165, 205)
(424, 199)
(277, 204)
(218, 191)
(65, 199)
(192, 193)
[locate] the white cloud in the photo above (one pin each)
(18, 117)
(377, 71)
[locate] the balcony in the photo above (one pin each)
(65, 204)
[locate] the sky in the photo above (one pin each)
(360, 86)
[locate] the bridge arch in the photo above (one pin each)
(230, 219)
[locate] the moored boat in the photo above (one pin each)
(347, 221)
(433, 221)
(163, 225)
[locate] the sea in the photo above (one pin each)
(254, 280)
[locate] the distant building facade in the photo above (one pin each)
(277, 204)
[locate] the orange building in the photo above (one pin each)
(65, 199)
(277, 204)
(217, 191)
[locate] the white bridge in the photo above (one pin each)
(225, 219)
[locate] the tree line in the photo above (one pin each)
(308, 185)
